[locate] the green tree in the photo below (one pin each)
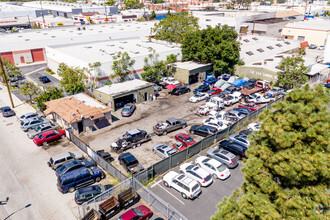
(153, 15)
(121, 65)
(51, 93)
(28, 88)
(110, 2)
(129, 3)
(175, 28)
(213, 45)
(72, 79)
(169, 12)
(293, 72)
(286, 175)
(153, 68)
(170, 60)
(10, 68)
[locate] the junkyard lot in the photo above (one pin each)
(145, 117)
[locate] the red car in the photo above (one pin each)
(140, 212)
(178, 146)
(213, 91)
(49, 136)
(185, 139)
(251, 106)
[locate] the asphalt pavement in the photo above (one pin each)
(205, 205)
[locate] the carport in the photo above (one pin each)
(118, 94)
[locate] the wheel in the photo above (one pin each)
(181, 171)
(215, 176)
(166, 184)
(165, 133)
(193, 132)
(138, 144)
(134, 146)
(208, 156)
(98, 179)
(184, 196)
(183, 126)
(71, 189)
(63, 136)
(45, 143)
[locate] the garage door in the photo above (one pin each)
(8, 56)
(120, 102)
(37, 55)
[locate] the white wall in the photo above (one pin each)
(27, 57)
(312, 36)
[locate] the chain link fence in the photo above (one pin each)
(164, 165)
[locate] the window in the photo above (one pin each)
(60, 161)
(100, 96)
(79, 178)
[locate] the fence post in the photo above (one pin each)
(167, 217)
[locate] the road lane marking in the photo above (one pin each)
(171, 194)
(155, 184)
(35, 70)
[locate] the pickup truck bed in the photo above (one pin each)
(251, 91)
(109, 208)
(128, 198)
(92, 215)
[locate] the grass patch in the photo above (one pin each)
(49, 71)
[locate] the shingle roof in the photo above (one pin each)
(72, 109)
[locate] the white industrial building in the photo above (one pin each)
(80, 55)
(28, 46)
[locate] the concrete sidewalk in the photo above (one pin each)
(20, 107)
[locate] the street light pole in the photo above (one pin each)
(28, 205)
(5, 79)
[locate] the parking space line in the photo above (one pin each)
(171, 194)
(155, 184)
(35, 71)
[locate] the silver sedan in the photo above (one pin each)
(163, 151)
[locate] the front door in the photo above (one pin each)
(22, 60)
(145, 96)
(80, 127)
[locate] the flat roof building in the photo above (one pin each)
(191, 72)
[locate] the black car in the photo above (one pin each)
(234, 148)
(250, 84)
(44, 79)
(74, 165)
(244, 111)
(15, 78)
(203, 130)
(87, 193)
(179, 90)
(202, 88)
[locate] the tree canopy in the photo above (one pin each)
(129, 3)
(286, 175)
(10, 69)
(110, 2)
(293, 72)
(122, 65)
(213, 45)
(28, 88)
(51, 93)
(72, 79)
(175, 28)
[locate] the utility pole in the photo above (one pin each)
(5, 78)
(42, 14)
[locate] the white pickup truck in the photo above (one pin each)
(258, 98)
(215, 103)
(232, 98)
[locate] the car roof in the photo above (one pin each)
(183, 135)
(74, 173)
(89, 189)
(128, 105)
(62, 155)
(227, 153)
(30, 119)
(213, 162)
(47, 132)
(172, 119)
(72, 163)
(134, 131)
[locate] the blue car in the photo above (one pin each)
(79, 178)
(7, 111)
(210, 81)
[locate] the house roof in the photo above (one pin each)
(285, 14)
(190, 65)
(73, 108)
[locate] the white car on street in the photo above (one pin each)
(198, 97)
(219, 125)
(188, 187)
(213, 167)
(196, 173)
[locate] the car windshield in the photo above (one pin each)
(197, 95)
(188, 140)
(37, 128)
(125, 109)
(221, 168)
(195, 187)
(56, 132)
(40, 136)
(137, 212)
(22, 123)
(61, 169)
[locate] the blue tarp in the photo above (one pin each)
(239, 82)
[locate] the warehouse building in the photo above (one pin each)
(80, 55)
(191, 72)
(118, 94)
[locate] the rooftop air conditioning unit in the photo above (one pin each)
(110, 45)
(88, 47)
(121, 48)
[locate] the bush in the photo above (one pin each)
(49, 71)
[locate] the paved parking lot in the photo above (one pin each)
(207, 200)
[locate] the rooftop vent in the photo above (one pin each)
(123, 42)
(53, 36)
(254, 38)
(279, 56)
(121, 48)
(270, 47)
(45, 33)
(63, 29)
(268, 59)
(246, 40)
(287, 42)
(79, 33)
(139, 45)
(249, 53)
(135, 51)
(260, 50)
(100, 31)
(78, 29)
(102, 50)
(27, 39)
(83, 28)
(20, 36)
(257, 63)
(279, 45)
(88, 47)
(110, 45)
(91, 29)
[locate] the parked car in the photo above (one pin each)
(275, 92)
(157, 87)
(254, 126)
(179, 90)
(31, 115)
(89, 192)
(196, 173)
(232, 99)
(250, 84)
(44, 79)
(40, 129)
(321, 48)
(225, 77)
(241, 139)
(231, 89)
(251, 106)
(235, 148)
(312, 46)
(79, 178)
(188, 188)
(225, 157)
(210, 81)
(140, 212)
(245, 132)
(49, 136)
(213, 167)
(128, 110)
(244, 111)
(171, 124)
(131, 139)
(7, 111)
(214, 91)
(185, 139)
(198, 97)
(74, 165)
(235, 115)
(203, 130)
(15, 78)
(163, 151)
(202, 88)
(169, 80)
(58, 160)
(30, 123)
(178, 146)
(105, 155)
(219, 125)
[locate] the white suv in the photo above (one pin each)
(187, 187)
(196, 173)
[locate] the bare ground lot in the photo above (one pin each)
(145, 117)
